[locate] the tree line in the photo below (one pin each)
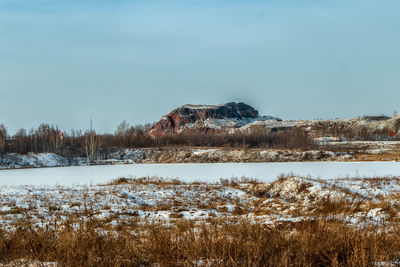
(49, 138)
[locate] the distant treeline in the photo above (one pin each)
(47, 138)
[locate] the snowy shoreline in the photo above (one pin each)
(173, 155)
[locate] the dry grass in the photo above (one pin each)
(216, 243)
(394, 156)
(146, 181)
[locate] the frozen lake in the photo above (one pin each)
(196, 172)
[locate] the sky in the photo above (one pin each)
(65, 61)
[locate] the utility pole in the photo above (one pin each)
(91, 124)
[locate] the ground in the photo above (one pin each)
(288, 199)
(291, 221)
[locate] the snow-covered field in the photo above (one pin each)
(348, 190)
(287, 199)
(212, 172)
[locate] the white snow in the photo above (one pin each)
(190, 106)
(207, 172)
(13, 160)
(269, 122)
(289, 198)
(202, 151)
(215, 123)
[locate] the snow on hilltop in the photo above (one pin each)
(206, 118)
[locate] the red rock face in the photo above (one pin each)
(195, 115)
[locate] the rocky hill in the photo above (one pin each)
(232, 117)
(206, 119)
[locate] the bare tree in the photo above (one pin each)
(122, 134)
(92, 143)
(19, 138)
(3, 137)
(122, 128)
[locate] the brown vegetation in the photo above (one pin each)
(214, 243)
(92, 145)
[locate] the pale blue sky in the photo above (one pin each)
(64, 61)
